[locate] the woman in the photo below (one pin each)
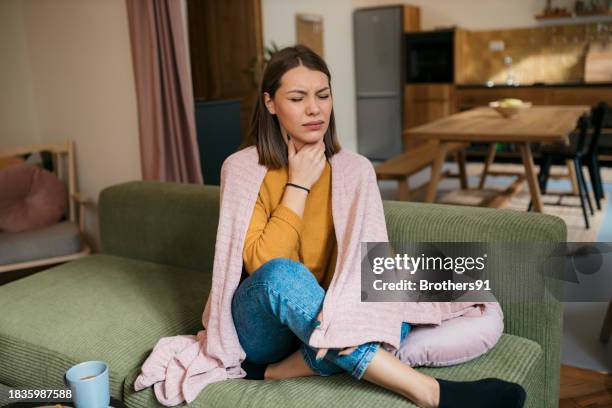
(290, 249)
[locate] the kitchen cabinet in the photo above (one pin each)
(471, 98)
(412, 18)
(582, 95)
(425, 103)
(468, 97)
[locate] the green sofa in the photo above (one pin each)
(153, 274)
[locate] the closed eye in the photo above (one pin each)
(325, 96)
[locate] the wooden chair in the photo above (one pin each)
(62, 154)
(404, 165)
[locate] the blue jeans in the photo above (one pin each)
(274, 312)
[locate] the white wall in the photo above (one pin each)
(18, 117)
(279, 26)
(78, 54)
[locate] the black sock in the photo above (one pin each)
(254, 371)
(489, 392)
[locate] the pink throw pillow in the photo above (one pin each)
(30, 198)
(455, 341)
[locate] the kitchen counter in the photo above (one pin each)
(569, 93)
(537, 85)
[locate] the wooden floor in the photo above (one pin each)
(582, 388)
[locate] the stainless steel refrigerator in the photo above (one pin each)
(378, 38)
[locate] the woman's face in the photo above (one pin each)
(302, 104)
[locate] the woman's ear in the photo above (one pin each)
(269, 103)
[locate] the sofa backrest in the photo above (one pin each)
(419, 222)
(168, 223)
(176, 224)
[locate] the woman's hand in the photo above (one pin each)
(344, 352)
(347, 351)
(306, 166)
(322, 352)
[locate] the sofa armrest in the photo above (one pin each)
(526, 315)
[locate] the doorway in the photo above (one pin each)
(226, 47)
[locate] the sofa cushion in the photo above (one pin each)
(96, 308)
(31, 198)
(59, 239)
(4, 395)
(513, 358)
(454, 341)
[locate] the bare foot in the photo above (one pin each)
(389, 372)
(291, 367)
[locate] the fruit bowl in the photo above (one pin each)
(509, 107)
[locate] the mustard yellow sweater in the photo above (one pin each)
(276, 231)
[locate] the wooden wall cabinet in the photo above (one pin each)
(412, 19)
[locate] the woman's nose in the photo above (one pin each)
(312, 108)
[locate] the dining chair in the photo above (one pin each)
(606, 328)
(575, 151)
(601, 116)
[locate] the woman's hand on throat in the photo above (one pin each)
(306, 165)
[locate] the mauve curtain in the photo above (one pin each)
(168, 143)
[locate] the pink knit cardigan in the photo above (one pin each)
(180, 367)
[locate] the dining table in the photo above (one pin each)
(536, 124)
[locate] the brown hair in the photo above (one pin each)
(265, 131)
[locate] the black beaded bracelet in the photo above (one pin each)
(298, 186)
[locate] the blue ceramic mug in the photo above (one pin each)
(89, 384)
